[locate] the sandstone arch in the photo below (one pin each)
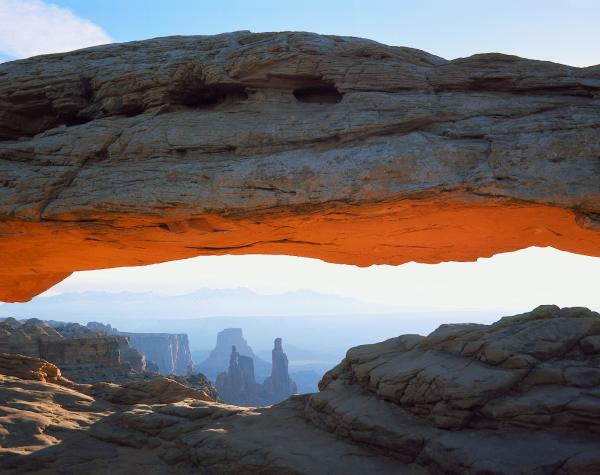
(289, 143)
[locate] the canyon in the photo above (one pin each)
(97, 352)
(82, 354)
(337, 148)
(331, 147)
(519, 396)
(170, 352)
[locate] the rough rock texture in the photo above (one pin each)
(47, 429)
(289, 143)
(521, 396)
(156, 391)
(219, 358)
(27, 367)
(170, 352)
(238, 386)
(83, 355)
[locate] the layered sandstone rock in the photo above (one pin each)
(30, 368)
(520, 396)
(155, 391)
(331, 147)
(82, 354)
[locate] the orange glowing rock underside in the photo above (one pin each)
(37, 255)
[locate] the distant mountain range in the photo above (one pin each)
(106, 306)
(323, 326)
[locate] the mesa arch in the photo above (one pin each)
(331, 147)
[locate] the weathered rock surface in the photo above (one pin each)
(36, 369)
(289, 143)
(46, 428)
(155, 391)
(520, 396)
(84, 355)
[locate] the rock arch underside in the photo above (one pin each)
(330, 147)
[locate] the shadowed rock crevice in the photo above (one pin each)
(320, 92)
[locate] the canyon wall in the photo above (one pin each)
(170, 352)
(82, 354)
(329, 147)
(164, 353)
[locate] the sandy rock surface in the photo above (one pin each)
(520, 396)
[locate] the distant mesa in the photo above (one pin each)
(238, 386)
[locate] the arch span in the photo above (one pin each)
(144, 152)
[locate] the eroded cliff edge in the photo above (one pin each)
(289, 143)
(520, 396)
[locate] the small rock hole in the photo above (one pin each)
(322, 94)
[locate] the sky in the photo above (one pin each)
(564, 31)
(514, 281)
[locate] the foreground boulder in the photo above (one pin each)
(30, 368)
(330, 147)
(521, 396)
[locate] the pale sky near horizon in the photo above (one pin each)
(564, 31)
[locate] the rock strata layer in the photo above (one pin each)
(521, 396)
(82, 354)
(330, 147)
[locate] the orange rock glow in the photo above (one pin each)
(37, 255)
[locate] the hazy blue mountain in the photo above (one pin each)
(106, 306)
(317, 329)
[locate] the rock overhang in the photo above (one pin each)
(337, 148)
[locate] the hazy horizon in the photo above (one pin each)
(516, 281)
